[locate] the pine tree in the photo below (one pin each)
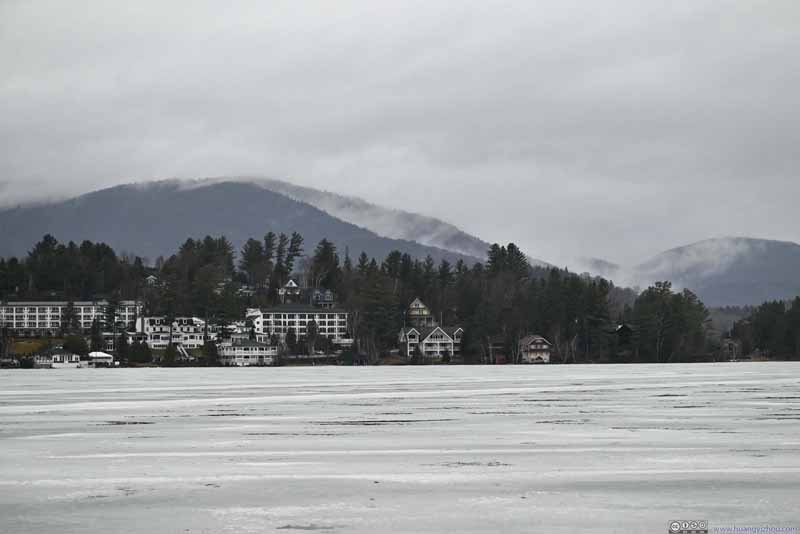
(96, 337)
(123, 348)
(294, 252)
(76, 345)
(325, 270)
(69, 319)
(363, 264)
(170, 356)
(210, 353)
(312, 332)
(291, 341)
(253, 262)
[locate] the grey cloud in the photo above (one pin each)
(613, 130)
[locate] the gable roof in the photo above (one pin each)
(417, 303)
(425, 333)
(297, 308)
(527, 340)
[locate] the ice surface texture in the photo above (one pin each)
(399, 449)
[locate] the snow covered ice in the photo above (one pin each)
(399, 449)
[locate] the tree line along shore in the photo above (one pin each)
(494, 305)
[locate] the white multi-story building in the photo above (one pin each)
(187, 332)
(432, 342)
(331, 322)
(39, 318)
(425, 338)
(245, 353)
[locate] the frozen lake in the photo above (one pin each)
(399, 449)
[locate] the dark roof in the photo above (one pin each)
(450, 330)
(53, 350)
(248, 343)
(301, 308)
(624, 327)
(62, 302)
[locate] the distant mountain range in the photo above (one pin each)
(153, 219)
(395, 224)
(392, 223)
(730, 271)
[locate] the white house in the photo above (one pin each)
(278, 321)
(433, 343)
(425, 337)
(419, 315)
(57, 359)
(187, 332)
(534, 349)
(40, 318)
(245, 353)
(101, 359)
(289, 292)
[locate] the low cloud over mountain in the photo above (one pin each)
(152, 219)
(728, 271)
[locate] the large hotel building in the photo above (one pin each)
(44, 318)
(277, 321)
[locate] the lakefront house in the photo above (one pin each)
(534, 349)
(240, 352)
(187, 332)
(424, 338)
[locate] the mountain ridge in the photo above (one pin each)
(151, 219)
(722, 271)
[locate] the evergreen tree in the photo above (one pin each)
(280, 271)
(123, 348)
(291, 341)
(170, 356)
(210, 353)
(312, 334)
(76, 345)
(140, 353)
(294, 252)
(363, 264)
(254, 262)
(96, 337)
(325, 271)
(69, 319)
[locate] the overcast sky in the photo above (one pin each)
(574, 128)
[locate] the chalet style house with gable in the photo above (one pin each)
(534, 349)
(425, 338)
(290, 292)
